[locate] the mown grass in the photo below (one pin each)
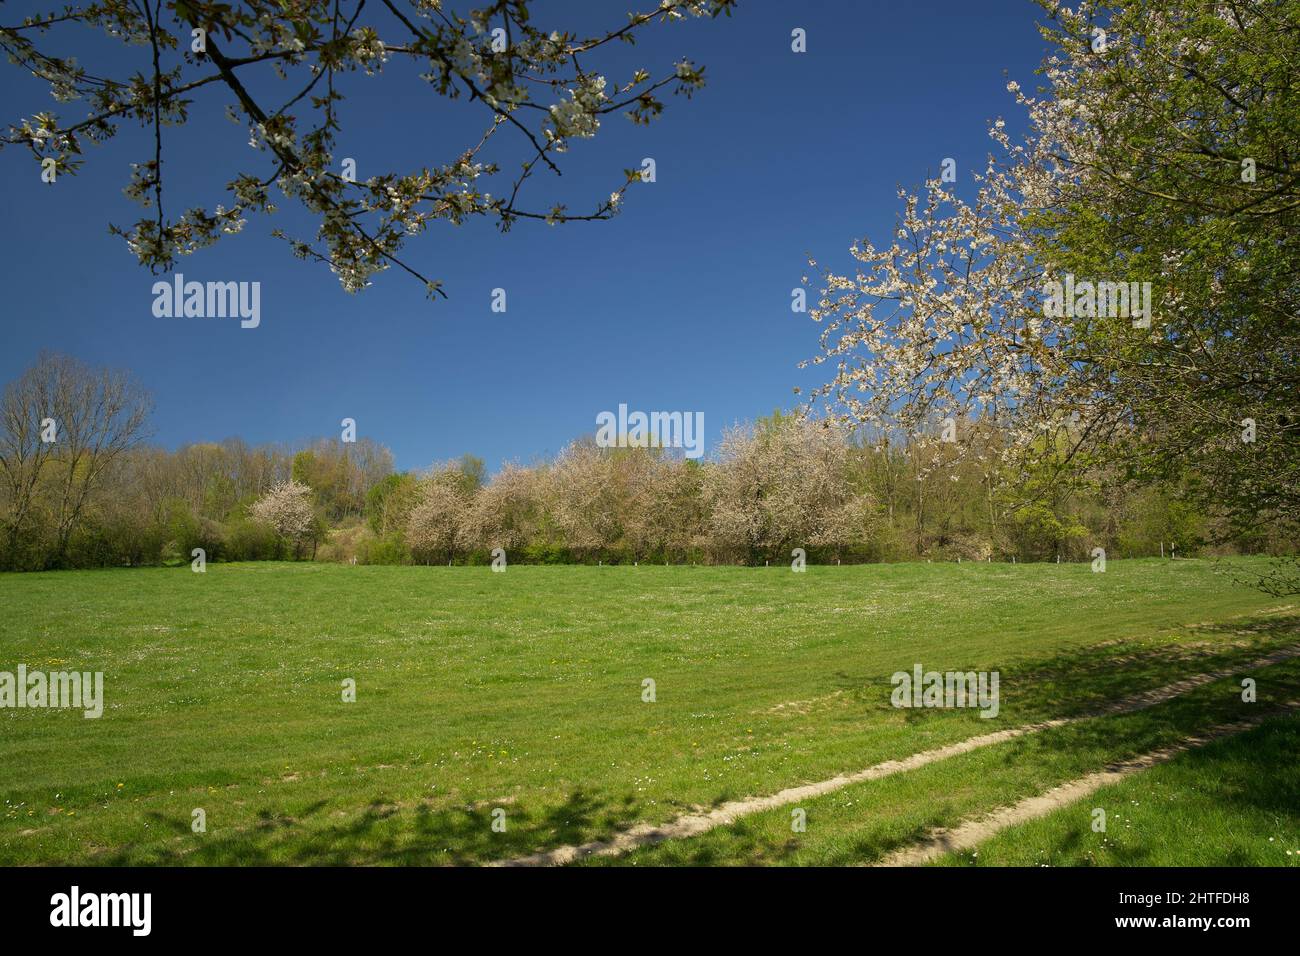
(863, 823)
(523, 691)
(1233, 802)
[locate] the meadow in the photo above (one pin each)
(519, 699)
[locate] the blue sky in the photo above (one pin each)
(680, 303)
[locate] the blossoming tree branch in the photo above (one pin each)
(1156, 188)
(541, 87)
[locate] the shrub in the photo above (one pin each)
(388, 549)
(249, 540)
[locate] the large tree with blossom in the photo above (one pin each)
(288, 509)
(784, 483)
(543, 87)
(1161, 149)
(435, 527)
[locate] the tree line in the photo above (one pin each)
(82, 488)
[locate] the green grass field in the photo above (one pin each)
(523, 691)
(1234, 802)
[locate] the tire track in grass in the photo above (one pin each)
(974, 832)
(693, 824)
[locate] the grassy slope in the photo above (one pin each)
(863, 823)
(1235, 802)
(524, 690)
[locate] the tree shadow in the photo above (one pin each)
(1071, 683)
(1253, 774)
(1261, 776)
(1078, 680)
(385, 833)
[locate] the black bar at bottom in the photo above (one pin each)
(335, 906)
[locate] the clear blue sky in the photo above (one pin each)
(681, 303)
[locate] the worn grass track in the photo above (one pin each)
(886, 819)
(1233, 802)
(1067, 797)
(695, 824)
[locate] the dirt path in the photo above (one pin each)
(693, 824)
(975, 832)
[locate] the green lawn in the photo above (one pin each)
(862, 823)
(1234, 802)
(523, 691)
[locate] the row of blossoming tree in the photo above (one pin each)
(96, 494)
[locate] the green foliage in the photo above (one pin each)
(1185, 162)
(182, 530)
(1040, 532)
(386, 549)
(547, 553)
(249, 540)
(389, 502)
(471, 474)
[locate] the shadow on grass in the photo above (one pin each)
(1071, 683)
(1079, 680)
(1249, 781)
(382, 834)
(1261, 776)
